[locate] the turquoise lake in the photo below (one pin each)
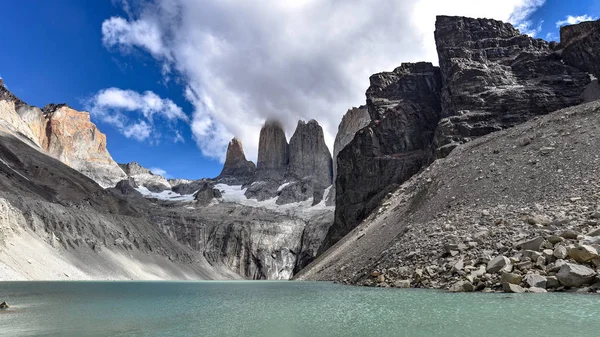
(315, 309)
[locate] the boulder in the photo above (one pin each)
(569, 234)
(536, 290)
(512, 288)
(461, 286)
(499, 264)
(583, 253)
(552, 282)
(574, 275)
(511, 278)
(535, 280)
(4, 305)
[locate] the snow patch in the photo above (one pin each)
(165, 195)
(284, 185)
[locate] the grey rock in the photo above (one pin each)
(512, 288)
(206, 194)
(569, 234)
(511, 278)
(560, 252)
(499, 264)
(461, 286)
(534, 244)
(273, 152)
(583, 253)
(574, 275)
(144, 177)
(536, 290)
(402, 284)
(552, 282)
(535, 280)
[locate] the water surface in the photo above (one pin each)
(311, 309)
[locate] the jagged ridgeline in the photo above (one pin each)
(62, 192)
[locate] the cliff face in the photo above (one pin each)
(580, 45)
(236, 170)
(495, 78)
(65, 134)
(404, 106)
(310, 158)
(354, 120)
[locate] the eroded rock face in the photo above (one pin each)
(144, 177)
(580, 46)
(273, 152)
(404, 106)
(236, 170)
(310, 158)
(495, 78)
(206, 193)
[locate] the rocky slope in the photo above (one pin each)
(515, 209)
(490, 78)
(56, 223)
(63, 133)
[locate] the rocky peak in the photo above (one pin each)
(236, 170)
(273, 151)
(144, 177)
(309, 156)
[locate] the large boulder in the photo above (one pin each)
(237, 170)
(404, 107)
(575, 275)
(494, 77)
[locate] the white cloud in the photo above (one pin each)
(132, 113)
(159, 171)
(244, 61)
(573, 20)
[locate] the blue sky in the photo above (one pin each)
(221, 68)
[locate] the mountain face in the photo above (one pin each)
(309, 156)
(494, 78)
(490, 78)
(236, 170)
(580, 46)
(273, 151)
(65, 134)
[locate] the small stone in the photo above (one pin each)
(547, 149)
(532, 254)
(523, 266)
(499, 264)
(535, 280)
(595, 232)
(458, 266)
(560, 252)
(512, 288)
(462, 286)
(574, 275)
(4, 305)
(538, 220)
(575, 199)
(583, 253)
(380, 278)
(375, 273)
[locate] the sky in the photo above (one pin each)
(172, 81)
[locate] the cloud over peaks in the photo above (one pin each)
(245, 61)
(573, 20)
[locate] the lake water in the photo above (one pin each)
(311, 309)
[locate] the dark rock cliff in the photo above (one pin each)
(273, 151)
(495, 78)
(404, 106)
(491, 77)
